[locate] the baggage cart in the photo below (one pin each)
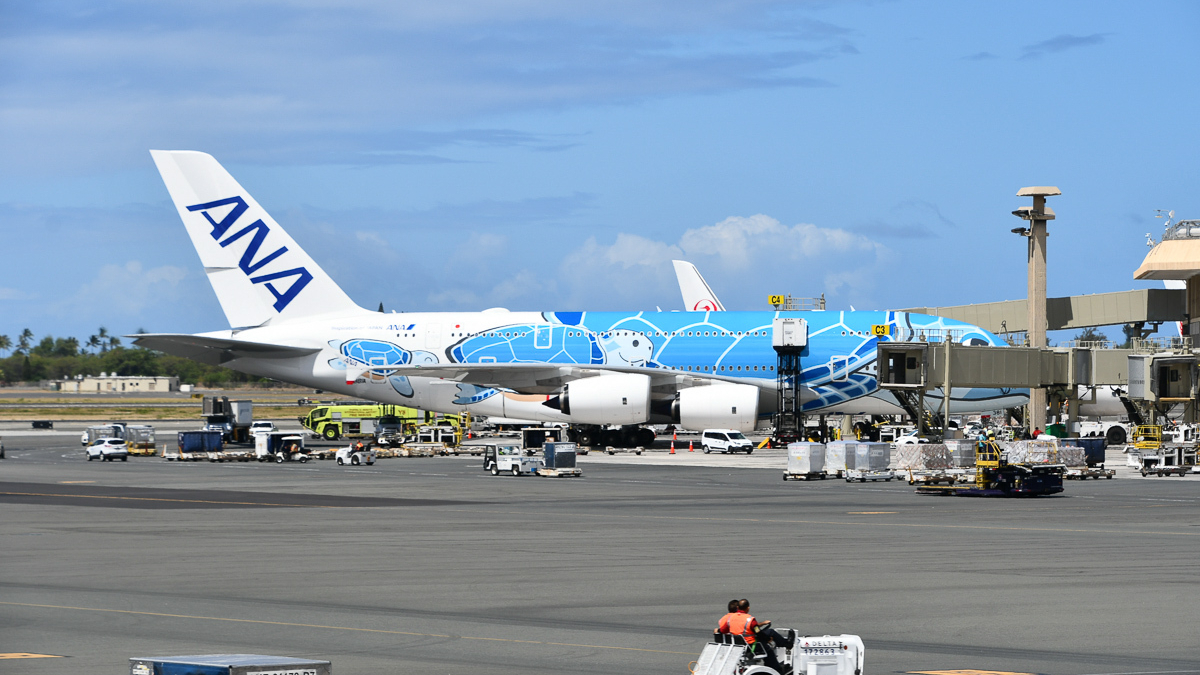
(226, 664)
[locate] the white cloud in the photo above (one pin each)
(743, 258)
(126, 289)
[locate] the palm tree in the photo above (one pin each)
(102, 338)
(23, 341)
(5, 343)
(94, 342)
(114, 342)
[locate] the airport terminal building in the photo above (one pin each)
(115, 384)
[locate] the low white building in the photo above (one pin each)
(116, 384)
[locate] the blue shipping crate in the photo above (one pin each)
(226, 664)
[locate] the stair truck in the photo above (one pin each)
(823, 655)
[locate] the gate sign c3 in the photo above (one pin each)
(881, 329)
(775, 299)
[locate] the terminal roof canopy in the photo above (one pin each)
(1171, 259)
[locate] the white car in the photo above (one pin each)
(107, 449)
(262, 427)
(910, 440)
(725, 440)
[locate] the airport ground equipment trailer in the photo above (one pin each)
(995, 477)
(1169, 459)
(280, 447)
(510, 458)
(353, 455)
(806, 461)
(226, 664)
(868, 462)
(558, 461)
(196, 445)
(815, 655)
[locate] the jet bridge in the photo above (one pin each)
(1157, 374)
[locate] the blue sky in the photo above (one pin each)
(557, 155)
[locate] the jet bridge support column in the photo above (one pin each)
(1037, 215)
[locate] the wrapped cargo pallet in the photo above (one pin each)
(923, 456)
(1041, 451)
(962, 452)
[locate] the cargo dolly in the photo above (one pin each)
(995, 477)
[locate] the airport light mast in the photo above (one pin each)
(1037, 215)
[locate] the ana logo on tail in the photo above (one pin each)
(259, 231)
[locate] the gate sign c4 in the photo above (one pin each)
(881, 329)
(775, 299)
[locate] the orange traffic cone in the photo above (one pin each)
(674, 436)
(672, 447)
(690, 447)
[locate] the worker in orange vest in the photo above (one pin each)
(743, 624)
(723, 624)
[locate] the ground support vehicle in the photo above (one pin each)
(995, 477)
(727, 441)
(397, 422)
(1170, 459)
(139, 439)
(806, 461)
(98, 431)
(824, 655)
(196, 445)
(280, 447)
(864, 475)
(231, 418)
(353, 456)
(421, 449)
(612, 451)
(509, 458)
(107, 449)
(558, 461)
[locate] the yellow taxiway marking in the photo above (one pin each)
(869, 513)
(73, 482)
(23, 655)
(965, 672)
(347, 628)
(172, 501)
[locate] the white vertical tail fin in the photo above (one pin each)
(260, 275)
(697, 296)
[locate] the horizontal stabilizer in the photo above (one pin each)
(216, 351)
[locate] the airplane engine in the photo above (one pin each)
(607, 399)
(719, 406)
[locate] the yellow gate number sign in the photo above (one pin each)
(775, 299)
(878, 330)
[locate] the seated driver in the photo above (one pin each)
(742, 623)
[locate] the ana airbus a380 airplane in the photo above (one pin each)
(290, 321)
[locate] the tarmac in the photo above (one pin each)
(431, 565)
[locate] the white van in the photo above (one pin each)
(725, 440)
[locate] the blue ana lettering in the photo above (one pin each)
(301, 277)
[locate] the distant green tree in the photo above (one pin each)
(1091, 334)
(102, 338)
(93, 343)
(5, 343)
(24, 340)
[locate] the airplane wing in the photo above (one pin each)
(697, 296)
(542, 378)
(215, 351)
